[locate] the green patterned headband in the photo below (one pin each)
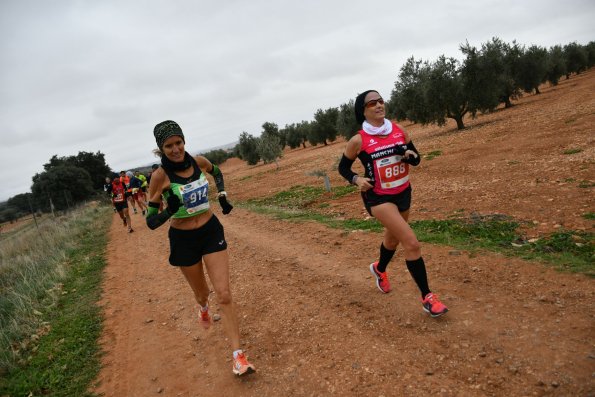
(164, 130)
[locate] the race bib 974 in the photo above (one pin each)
(195, 196)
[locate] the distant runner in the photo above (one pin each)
(107, 188)
(119, 194)
(125, 179)
(135, 185)
(142, 194)
(386, 151)
(196, 236)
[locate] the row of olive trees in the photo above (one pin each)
(65, 182)
(269, 146)
(432, 92)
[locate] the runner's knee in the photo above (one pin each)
(223, 296)
(411, 244)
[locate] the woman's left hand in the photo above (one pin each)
(409, 153)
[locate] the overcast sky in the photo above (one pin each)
(98, 75)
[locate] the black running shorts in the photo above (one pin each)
(120, 205)
(401, 200)
(187, 247)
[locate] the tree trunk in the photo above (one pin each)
(304, 144)
(459, 120)
(537, 91)
(507, 103)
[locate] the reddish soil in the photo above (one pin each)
(311, 318)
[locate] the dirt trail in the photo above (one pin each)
(314, 323)
(311, 318)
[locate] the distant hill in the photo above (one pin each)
(227, 146)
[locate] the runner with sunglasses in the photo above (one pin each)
(196, 236)
(386, 151)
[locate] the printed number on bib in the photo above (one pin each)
(119, 197)
(392, 172)
(195, 196)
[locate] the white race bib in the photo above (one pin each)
(392, 172)
(195, 196)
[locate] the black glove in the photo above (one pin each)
(400, 149)
(413, 160)
(225, 206)
(173, 203)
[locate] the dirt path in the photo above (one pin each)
(314, 323)
(311, 318)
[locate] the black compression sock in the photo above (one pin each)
(417, 268)
(385, 256)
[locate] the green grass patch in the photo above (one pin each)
(589, 215)
(586, 184)
(300, 196)
(297, 215)
(52, 348)
(572, 151)
(433, 154)
(565, 250)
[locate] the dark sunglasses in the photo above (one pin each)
(373, 102)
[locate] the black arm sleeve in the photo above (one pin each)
(218, 176)
(412, 160)
(156, 220)
(345, 169)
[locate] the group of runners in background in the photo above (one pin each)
(129, 189)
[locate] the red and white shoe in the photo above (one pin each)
(204, 318)
(241, 365)
(432, 305)
(381, 278)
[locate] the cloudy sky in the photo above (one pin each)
(85, 75)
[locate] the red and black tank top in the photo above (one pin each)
(118, 192)
(381, 163)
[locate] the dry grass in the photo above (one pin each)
(33, 262)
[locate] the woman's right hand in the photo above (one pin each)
(363, 184)
(173, 203)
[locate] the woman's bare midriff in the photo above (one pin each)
(191, 223)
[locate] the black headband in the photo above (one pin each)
(166, 129)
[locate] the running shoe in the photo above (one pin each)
(432, 305)
(124, 221)
(204, 318)
(135, 211)
(130, 230)
(241, 366)
(381, 278)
